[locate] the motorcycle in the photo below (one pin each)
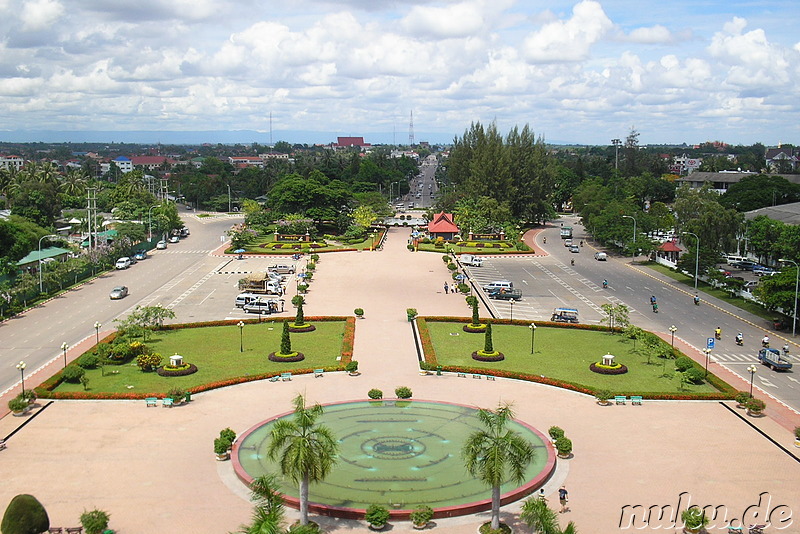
(605, 284)
(697, 301)
(739, 340)
(718, 334)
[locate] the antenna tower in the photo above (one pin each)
(411, 129)
(270, 129)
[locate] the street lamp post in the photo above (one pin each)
(696, 257)
(633, 245)
(240, 324)
(97, 326)
(511, 301)
(708, 353)
(616, 143)
(533, 336)
(796, 281)
(150, 221)
(372, 237)
(672, 330)
(229, 197)
(752, 371)
(21, 366)
(64, 348)
(40, 259)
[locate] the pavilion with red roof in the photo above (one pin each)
(670, 251)
(442, 226)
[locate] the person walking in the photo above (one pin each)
(563, 498)
(446, 288)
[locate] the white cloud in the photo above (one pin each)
(652, 35)
(456, 20)
(40, 14)
(569, 40)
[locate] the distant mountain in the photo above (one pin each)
(227, 137)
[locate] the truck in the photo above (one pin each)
(505, 294)
(772, 358)
(564, 315)
(469, 259)
(260, 283)
(566, 232)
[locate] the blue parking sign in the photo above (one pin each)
(710, 343)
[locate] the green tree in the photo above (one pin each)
(364, 216)
(268, 512)
(24, 515)
(488, 346)
(759, 191)
(497, 454)
(286, 340)
(305, 449)
(542, 519)
(142, 320)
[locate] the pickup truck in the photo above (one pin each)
(469, 259)
(506, 294)
(772, 358)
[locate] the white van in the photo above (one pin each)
(123, 263)
(281, 268)
(600, 256)
(245, 298)
(733, 260)
(499, 284)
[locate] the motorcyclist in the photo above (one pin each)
(544, 240)
(655, 307)
(739, 339)
(765, 342)
(696, 300)
(652, 299)
(581, 242)
(605, 284)
(786, 349)
(718, 333)
(572, 262)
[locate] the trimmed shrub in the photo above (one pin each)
(375, 393)
(88, 361)
(352, 366)
(694, 375)
(421, 515)
(756, 405)
(221, 446)
(176, 394)
(25, 515)
(555, 432)
(17, 404)
(376, 515)
(228, 434)
(742, 397)
(403, 392)
(73, 374)
(148, 362)
(564, 446)
(683, 363)
(94, 522)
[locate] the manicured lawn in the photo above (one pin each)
(215, 352)
(561, 354)
(256, 247)
(430, 247)
(688, 281)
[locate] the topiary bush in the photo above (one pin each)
(564, 446)
(148, 362)
(25, 515)
(176, 394)
(73, 374)
(555, 432)
(227, 434)
(88, 361)
(403, 392)
(684, 363)
(694, 375)
(376, 515)
(17, 404)
(742, 397)
(375, 393)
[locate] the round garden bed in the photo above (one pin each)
(475, 329)
(488, 357)
(617, 369)
(295, 357)
(180, 370)
(307, 327)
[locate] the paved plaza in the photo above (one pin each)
(154, 471)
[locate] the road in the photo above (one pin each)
(167, 277)
(423, 187)
(551, 281)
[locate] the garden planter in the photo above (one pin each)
(420, 526)
(797, 443)
(377, 527)
(223, 456)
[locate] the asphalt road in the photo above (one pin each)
(166, 278)
(550, 282)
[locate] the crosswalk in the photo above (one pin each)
(734, 358)
(182, 251)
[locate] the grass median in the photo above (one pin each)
(215, 352)
(563, 354)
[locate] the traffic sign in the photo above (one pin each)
(710, 343)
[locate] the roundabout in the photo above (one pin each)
(399, 454)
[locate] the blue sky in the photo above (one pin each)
(581, 72)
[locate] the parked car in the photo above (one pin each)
(506, 294)
(469, 259)
(498, 285)
(161, 245)
(747, 265)
(123, 263)
(174, 239)
(565, 315)
(119, 292)
(141, 255)
(600, 256)
(262, 306)
(281, 268)
(772, 358)
(184, 232)
(567, 242)
(764, 271)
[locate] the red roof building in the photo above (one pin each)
(669, 250)
(442, 226)
(343, 142)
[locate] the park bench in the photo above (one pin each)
(636, 399)
(55, 530)
(274, 378)
(74, 530)
(619, 399)
(167, 402)
(151, 401)
(462, 375)
(318, 372)
(286, 376)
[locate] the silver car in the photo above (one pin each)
(119, 292)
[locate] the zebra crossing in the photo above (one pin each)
(734, 358)
(182, 251)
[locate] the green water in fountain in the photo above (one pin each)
(398, 454)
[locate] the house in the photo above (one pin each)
(241, 162)
(8, 162)
(347, 142)
(151, 163)
(721, 181)
(125, 164)
(31, 262)
(783, 159)
(442, 226)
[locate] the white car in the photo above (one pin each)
(123, 263)
(174, 239)
(161, 245)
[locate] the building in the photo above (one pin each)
(783, 159)
(721, 181)
(125, 164)
(350, 142)
(9, 162)
(152, 163)
(442, 226)
(241, 162)
(274, 155)
(785, 213)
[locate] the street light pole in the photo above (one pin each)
(21, 366)
(64, 348)
(696, 257)
(229, 197)
(796, 282)
(708, 353)
(150, 221)
(616, 143)
(533, 336)
(752, 371)
(241, 335)
(97, 326)
(633, 245)
(40, 259)
(672, 330)
(511, 301)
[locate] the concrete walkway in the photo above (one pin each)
(153, 469)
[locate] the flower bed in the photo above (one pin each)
(617, 369)
(482, 356)
(306, 327)
(474, 328)
(293, 357)
(181, 370)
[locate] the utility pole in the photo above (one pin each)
(616, 143)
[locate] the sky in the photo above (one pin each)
(576, 72)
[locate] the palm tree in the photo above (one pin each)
(306, 451)
(74, 183)
(268, 512)
(541, 519)
(496, 454)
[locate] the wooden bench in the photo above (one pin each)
(619, 399)
(74, 530)
(490, 377)
(151, 401)
(735, 530)
(286, 376)
(477, 376)
(55, 530)
(636, 399)
(167, 402)
(462, 375)
(318, 372)
(274, 378)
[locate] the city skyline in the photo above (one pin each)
(576, 72)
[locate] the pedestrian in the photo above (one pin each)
(541, 495)
(446, 288)
(563, 498)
